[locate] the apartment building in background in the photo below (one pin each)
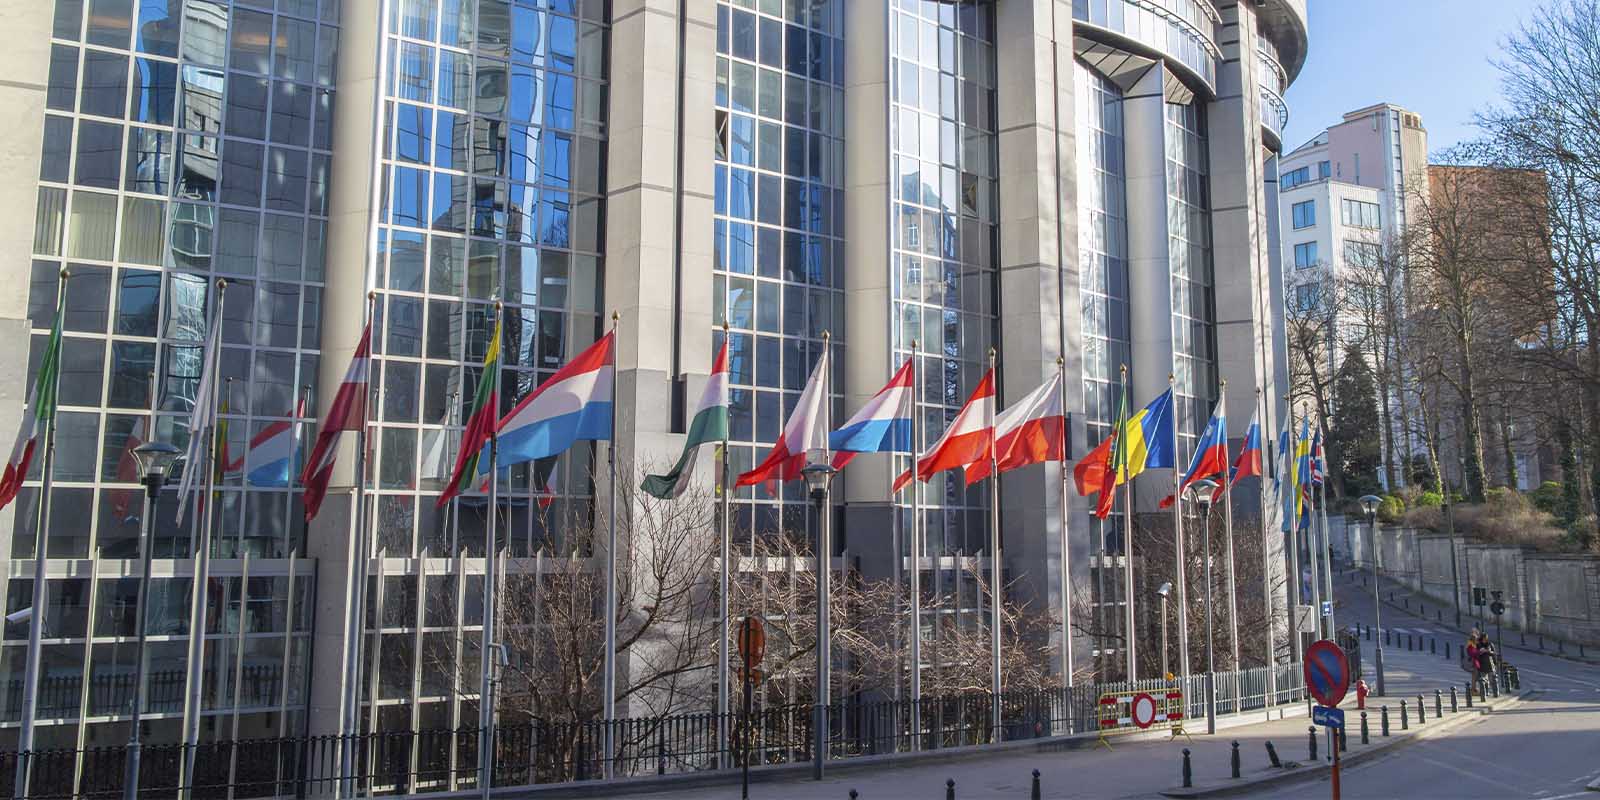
(1096, 180)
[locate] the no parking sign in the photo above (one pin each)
(1327, 672)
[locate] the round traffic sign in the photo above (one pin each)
(1327, 672)
(1143, 710)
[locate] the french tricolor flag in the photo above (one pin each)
(883, 425)
(573, 405)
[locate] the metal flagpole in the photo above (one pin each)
(1266, 560)
(1312, 559)
(30, 678)
(487, 650)
(1066, 516)
(1292, 521)
(1227, 535)
(356, 592)
(1132, 657)
(996, 589)
(610, 665)
(202, 571)
(916, 548)
(824, 566)
(725, 506)
(1179, 551)
(1327, 538)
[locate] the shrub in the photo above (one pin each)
(1429, 500)
(1547, 497)
(1391, 509)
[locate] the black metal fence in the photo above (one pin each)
(541, 752)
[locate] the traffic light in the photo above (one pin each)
(1497, 605)
(1479, 596)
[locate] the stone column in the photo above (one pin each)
(1038, 281)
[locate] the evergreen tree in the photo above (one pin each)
(1354, 437)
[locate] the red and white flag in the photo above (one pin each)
(347, 413)
(1031, 431)
(966, 442)
(123, 500)
(804, 431)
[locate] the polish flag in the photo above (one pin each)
(804, 431)
(967, 441)
(346, 414)
(1031, 431)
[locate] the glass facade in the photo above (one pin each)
(493, 173)
(779, 205)
(183, 142)
(944, 238)
(1194, 364)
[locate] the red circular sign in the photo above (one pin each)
(1327, 672)
(1143, 710)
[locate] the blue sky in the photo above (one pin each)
(1431, 56)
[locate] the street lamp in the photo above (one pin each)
(819, 475)
(1369, 504)
(1166, 589)
(154, 460)
(1201, 492)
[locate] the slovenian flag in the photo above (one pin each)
(883, 425)
(1210, 454)
(709, 425)
(573, 405)
(270, 459)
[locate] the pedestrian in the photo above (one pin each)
(1471, 659)
(1486, 656)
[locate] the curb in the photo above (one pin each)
(1594, 785)
(1322, 768)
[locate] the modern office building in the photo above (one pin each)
(1094, 180)
(1347, 197)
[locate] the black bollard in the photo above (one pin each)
(1453, 707)
(1383, 720)
(1438, 703)
(1422, 716)
(853, 794)
(1433, 646)
(1364, 731)
(1524, 636)
(1344, 741)
(1447, 651)
(1541, 643)
(1311, 741)
(1469, 694)
(1235, 760)
(1035, 795)
(949, 789)
(1188, 772)
(1405, 716)
(1272, 755)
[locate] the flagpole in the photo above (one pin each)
(30, 679)
(491, 546)
(202, 569)
(824, 567)
(1132, 656)
(916, 546)
(1266, 556)
(356, 592)
(610, 665)
(725, 537)
(1312, 559)
(996, 590)
(1227, 524)
(1066, 516)
(1327, 535)
(1180, 552)
(1292, 519)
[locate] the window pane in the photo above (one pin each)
(155, 91)
(63, 86)
(157, 31)
(99, 161)
(143, 230)
(57, 153)
(149, 161)
(105, 84)
(110, 22)
(93, 225)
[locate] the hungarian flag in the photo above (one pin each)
(36, 418)
(347, 413)
(708, 425)
(968, 440)
(480, 425)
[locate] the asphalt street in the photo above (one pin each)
(1547, 747)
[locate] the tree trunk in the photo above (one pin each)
(1509, 447)
(1472, 431)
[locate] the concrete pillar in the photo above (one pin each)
(1144, 109)
(1038, 292)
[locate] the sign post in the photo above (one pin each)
(1327, 673)
(752, 648)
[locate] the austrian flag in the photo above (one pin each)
(348, 413)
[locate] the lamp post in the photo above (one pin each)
(153, 460)
(1166, 589)
(1369, 504)
(819, 476)
(1200, 492)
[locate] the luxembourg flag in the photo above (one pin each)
(967, 441)
(804, 431)
(270, 459)
(1210, 454)
(1031, 431)
(883, 425)
(573, 405)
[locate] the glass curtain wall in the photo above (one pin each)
(1103, 294)
(1189, 255)
(183, 142)
(778, 269)
(493, 174)
(945, 245)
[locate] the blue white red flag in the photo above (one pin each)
(1210, 453)
(270, 459)
(572, 405)
(883, 425)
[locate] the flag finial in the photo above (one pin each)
(372, 294)
(65, 273)
(724, 326)
(222, 283)
(1061, 361)
(827, 336)
(1224, 383)
(1171, 379)
(616, 316)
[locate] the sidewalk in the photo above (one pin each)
(1079, 767)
